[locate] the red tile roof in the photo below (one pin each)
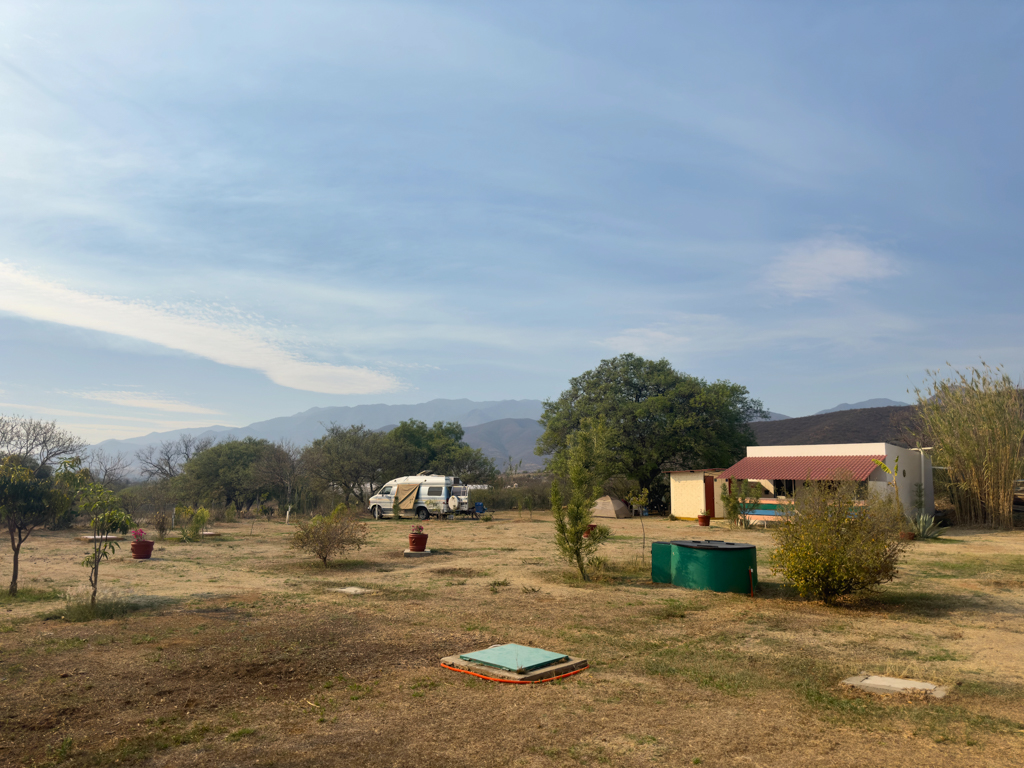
(802, 467)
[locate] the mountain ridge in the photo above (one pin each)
(497, 442)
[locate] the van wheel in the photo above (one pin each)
(378, 513)
(423, 514)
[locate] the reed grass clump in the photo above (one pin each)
(975, 420)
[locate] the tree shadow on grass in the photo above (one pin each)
(931, 605)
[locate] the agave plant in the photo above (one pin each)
(925, 527)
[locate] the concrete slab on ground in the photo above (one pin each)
(882, 684)
(353, 591)
(410, 553)
(537, 675)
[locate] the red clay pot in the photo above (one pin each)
(142, 550)
(417, 542)
(704, 520)
(590, 527)
(908, 535)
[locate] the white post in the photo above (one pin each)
(287, 514)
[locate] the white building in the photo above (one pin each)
(781, 468)
(696, 492)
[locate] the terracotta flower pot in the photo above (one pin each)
(142, 550)
(704, 520)
(908, 535)
(417, 542)
(590, 527)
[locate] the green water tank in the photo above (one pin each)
(661, 562)
(721, 566)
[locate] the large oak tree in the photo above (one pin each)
(657, 418)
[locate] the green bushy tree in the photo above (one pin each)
(26, 503)
(833, 544)
(655, 417)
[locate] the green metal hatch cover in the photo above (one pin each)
(514, 658)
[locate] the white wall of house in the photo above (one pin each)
(686, 491)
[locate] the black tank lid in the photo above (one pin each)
(711, 544)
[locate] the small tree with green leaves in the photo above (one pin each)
(582, 461)
(740, 498)
(106, 518)
(328, 535)
(639, 498)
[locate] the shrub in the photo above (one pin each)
(193, 522)
(925, 527)
(328, 535)
(832, 545)
(161, 522)
(742, 498)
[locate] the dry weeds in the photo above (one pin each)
(246, 657)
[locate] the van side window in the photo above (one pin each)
(386, 490)
(434, 490)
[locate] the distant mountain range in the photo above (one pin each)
(878, 402)
(509, 428)
(499, 428)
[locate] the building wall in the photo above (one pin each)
(720, 483)
(834, 449)
(909, 475)
(687, 494)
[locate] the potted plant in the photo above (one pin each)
(703, 518)
(142, 548)
(417, 539)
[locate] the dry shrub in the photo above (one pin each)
(832, 545)
(976, 420)
(161, 522)
(328, 535)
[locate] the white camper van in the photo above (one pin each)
(421, 495)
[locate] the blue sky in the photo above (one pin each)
(217, 213)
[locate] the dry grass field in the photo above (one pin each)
(238, 653)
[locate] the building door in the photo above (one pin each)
(709, 495)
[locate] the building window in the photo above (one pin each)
(785, 489)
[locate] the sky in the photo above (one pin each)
(219, 213)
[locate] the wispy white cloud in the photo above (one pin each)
(47, 412)
(820, 266)
(147, 401)
(652, 341)
(227, 341)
